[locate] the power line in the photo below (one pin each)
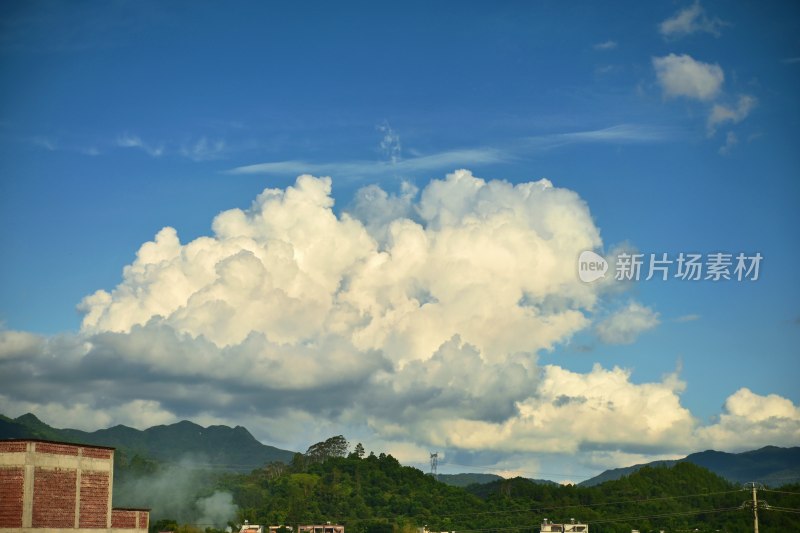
(551, 508)
(667, 515)
(782, 492)
(589, 505)
(783, 509)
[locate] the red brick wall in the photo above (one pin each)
(94, 499)
(10, 447)
(11, 493)
(123, 518)
(97, 453)
(60, 449)
(54, 497)
(144, 519)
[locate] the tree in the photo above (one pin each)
(322, 451)
(358, 452)
(299, 462)
(165, 524)
(275, 469)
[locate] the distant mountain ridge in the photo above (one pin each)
(235, 449)
(221, 447)
(465, 480)
(770, 465)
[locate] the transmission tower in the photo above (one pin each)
(434, 465)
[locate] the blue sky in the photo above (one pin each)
(674, 123)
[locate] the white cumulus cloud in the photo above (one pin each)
(410, 320)
(570, 410)
(722, 114)
(690, 20)
(682, 75)
(291, 270)
(625, 325)
(751, 420)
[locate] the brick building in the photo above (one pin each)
(62, 488)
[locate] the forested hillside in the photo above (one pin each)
(376, 494)
(371, 493)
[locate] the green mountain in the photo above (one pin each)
(378, 495)
(771, 465)
(235, 449)
(216, 447)
(11, 430)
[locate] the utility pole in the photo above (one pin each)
(753, 486)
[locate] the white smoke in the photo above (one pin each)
(217, 509)
(175, 491)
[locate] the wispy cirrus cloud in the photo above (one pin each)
(204, 149)
(54, 144)
(45, 142)
(731, 140)
(365, 168)
(476, 156)
(621, 134)
(199, 149)
(127, 140)
(90, 150)
(606, 45)
(390, 145)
